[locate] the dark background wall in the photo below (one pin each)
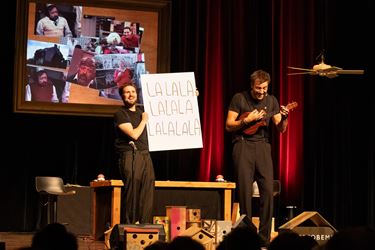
(339, 137)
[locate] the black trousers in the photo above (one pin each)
(139, 185)
(253, 162)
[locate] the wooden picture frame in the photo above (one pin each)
(154, 15)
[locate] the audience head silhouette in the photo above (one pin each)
(54, 236)
(292, 241)
(185, 243)
(362, 238)
(240, 238)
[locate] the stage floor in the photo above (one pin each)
(14, 241)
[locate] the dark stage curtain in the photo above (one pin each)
(273, 35)
(291, 36)
(326, 165)
(212, 160)
(339, 118)
(198, 47)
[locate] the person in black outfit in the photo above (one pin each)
(248, 119)
(135, 163)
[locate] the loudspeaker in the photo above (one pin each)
(117, 239)
(140, 238)
(74, 211)
(244, 221)
(310, 223)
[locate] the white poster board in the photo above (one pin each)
(172, 105)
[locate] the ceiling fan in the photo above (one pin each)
(323, 69)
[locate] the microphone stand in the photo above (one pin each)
(133, 183)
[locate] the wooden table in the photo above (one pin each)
(115, 189)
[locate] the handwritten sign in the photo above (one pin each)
(171, 103)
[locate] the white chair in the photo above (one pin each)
(236, 205)
(276, 188)
(51, 187)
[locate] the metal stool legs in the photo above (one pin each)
(52, 209)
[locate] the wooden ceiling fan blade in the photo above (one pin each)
(351, 72)
(300, 69)
(299, 73)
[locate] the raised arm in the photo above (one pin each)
(134, 133)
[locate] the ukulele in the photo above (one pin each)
(253, 126)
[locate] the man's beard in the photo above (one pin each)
(131, 103)
(43, 84)
(83, 80)
(54, 18)
(258, 96)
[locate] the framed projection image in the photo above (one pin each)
(72, 56)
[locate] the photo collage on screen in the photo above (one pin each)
(79, 58)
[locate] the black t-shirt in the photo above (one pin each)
(124, 115)
(243, 102)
